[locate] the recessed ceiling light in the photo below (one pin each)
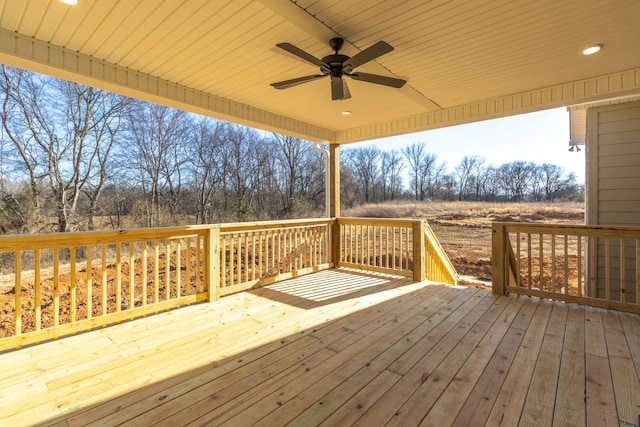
(71, 2)
(592, 49)
(346, 113)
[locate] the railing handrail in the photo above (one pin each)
(10, 242)
(631, 232)
(231, 227)
(406, 222)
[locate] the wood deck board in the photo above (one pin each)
(339, 347)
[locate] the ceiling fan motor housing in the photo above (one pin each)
(335, 60)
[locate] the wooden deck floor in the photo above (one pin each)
(338, 348)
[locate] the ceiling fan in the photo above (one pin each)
(337, 66)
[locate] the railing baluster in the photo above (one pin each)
(103, 282)
(178, 245)
(278, 235)
(566, 264)
(261, 251)
(622, 270)
(118, 277)
(607, 268)
(56, 287)
(518, 275)
(541, 260)
(592, 266)
(38, 286)
(359, 247)
(232, 258)
(529, 260)
(156, 271)
(89, 285)
(167, 270)
(254, 256)
(394, 247)
(145, 266)
(132, 276)
(73, 303)
(553, 262)
(245, 251)
(579, 261)
(187, 259)
(18, 291)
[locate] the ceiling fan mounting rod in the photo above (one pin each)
(336, 43)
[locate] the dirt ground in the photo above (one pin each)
(464, 230)
(467, 238)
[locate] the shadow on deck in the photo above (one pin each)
(339, 347)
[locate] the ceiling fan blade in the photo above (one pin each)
(370, 53)
(345, 89)
(339, 89)
(377, 79)
(294, 82)
(303, 55)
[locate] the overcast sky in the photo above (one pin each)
(541, 137)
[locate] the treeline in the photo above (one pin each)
(379, 176)
(76, 158)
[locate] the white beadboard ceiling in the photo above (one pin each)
(464, 60)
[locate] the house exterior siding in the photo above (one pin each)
(613, 191)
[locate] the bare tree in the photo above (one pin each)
(299, 171)
(391, 174)
(157, 154)
(208, 165)
(554, 180)
(62, 133)
(414, 154)
(244, 154)
(364, 162)
(424, 170)
(515, 178)
(465, 174)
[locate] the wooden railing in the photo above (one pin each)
(592, 265)
(391, 246)
(67, 282)
(60, 284)
(260, 253)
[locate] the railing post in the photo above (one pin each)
(335, 241)
(498, 259)
(212, 263)
(419, 255)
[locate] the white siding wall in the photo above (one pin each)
(613, 185)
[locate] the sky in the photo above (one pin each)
(541, 137)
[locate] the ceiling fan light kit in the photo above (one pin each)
(337, 66)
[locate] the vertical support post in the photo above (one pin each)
(419, 251)
(334, 207)
(498, 259)
(334, 182)
(212, 263)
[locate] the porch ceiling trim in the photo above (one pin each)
(29, 53)
(602, 87)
